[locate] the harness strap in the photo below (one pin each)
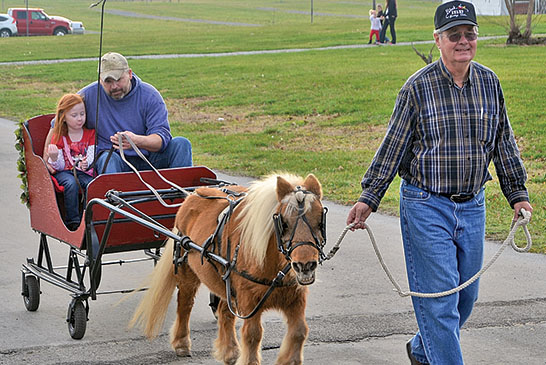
(275, 283)
(265, 282)
(215, 239)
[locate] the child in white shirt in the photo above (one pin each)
(375, 26)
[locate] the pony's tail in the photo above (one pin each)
(152, 309)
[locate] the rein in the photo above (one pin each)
(151, 188)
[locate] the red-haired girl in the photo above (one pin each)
(70, 153)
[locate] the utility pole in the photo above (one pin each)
(28, 18)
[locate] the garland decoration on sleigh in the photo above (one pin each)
(21, 164)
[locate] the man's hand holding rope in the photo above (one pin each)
(519, 206)
(358, 215)
(152, 142)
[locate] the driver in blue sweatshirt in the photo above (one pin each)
(135, 108)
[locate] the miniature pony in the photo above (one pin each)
(277, 225)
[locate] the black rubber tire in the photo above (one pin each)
(77, 320)
(32, 299)
(60, 32)
(5, 33)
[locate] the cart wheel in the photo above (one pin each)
(31, 295)
(77, 319)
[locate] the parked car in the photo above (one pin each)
(8, 27)
(77, 28)
(42, 24)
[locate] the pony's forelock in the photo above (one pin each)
(293, 201)
(261, 202)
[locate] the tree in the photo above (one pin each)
(515, 36)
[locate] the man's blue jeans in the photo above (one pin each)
(443, 246)
(71, 193)
(177, 154)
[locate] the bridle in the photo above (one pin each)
(287, 247)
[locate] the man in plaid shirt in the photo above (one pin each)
(448, 123)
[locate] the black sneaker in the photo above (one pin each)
(73, 226)
(413, 360)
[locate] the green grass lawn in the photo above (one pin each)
(321, 111)
(278, 28)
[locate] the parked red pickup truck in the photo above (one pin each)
(42, 24)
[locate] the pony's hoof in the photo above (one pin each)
(183, 352)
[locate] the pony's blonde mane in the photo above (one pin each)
(256, 216)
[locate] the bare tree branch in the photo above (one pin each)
(426, 59)
(530, 11)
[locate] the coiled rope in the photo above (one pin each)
(522, 221)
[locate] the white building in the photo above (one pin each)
(490, 7)
(498, 7)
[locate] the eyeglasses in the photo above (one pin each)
(455, 37)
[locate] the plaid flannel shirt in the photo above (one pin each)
(442, 137)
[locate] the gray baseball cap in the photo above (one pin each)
(113, 65)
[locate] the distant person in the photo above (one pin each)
(375, 26)
(381, 15)
(391, 13)
(449, 122)
(135, 108)
(69, 153)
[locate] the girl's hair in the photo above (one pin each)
(371, 12)
(67, 102)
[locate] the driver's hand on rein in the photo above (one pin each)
(358, 215)
(124, 142)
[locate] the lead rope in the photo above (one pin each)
(522, 221)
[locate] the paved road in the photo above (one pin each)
(353, 315)
(227, 54)
(213, 54)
